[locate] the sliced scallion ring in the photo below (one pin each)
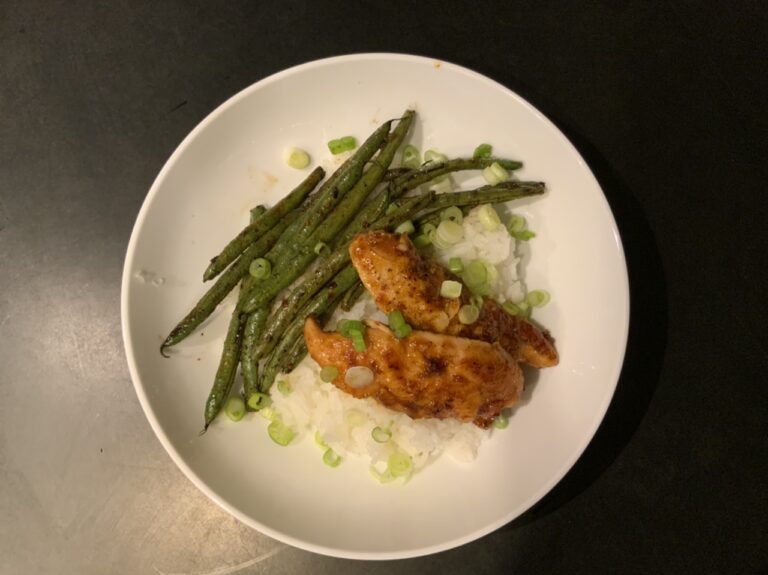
(380, 434)
(411, 157)
(483, 151)
(449, 232)
(328, 373)
(296, 158)
(495, 174)
(322, 249)
(358, 376)
(258, 401)
(434, 156)
(260, 268)
(358, 340)
(489, 219)
(450, 289)
(406, 227)
(537, 298)
(468, 314)
(400, 464)
(331, 458)
(516, 223)
(280, 433)
(455, 265)
(284, 387)
(502, 421)
(235, 408)
(452, 213)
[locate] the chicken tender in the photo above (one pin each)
(425, 374)
(399, 277)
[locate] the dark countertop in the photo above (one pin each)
(667, 105)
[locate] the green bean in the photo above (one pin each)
(225, 374)
(249, 361)
(332, 265)
(224, 284)
(325, 300)
(295, 261)
(432, 170)
(349, 206)
(495, 194)
(329, 195)
(263, 224)
(353, 294)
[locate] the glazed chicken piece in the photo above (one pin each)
(399, 277)
(425, 374)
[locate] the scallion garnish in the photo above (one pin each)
(235, 408)
(260, 268)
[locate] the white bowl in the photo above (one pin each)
(231, 162)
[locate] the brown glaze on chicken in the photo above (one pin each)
(399, 277)
(425, 374)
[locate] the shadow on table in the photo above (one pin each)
(645, 347)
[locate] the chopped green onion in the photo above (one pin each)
(402, 332)
(259, 401)
(483, 151)
(349, 142)
(427, 229)
(396, 319)
(355, 417)
(523, 236)
(511, 308)
(269, 413)
(235, 408)
(381, 435)
(455, 265)
(516, 223)
(475, 273)
(331, 458)
(322, 249)
(296, 158)
(399, 464)
(406, 227)
(422, 241)
(391, 207)
(502, 421)
(537, 298)
(280, 433)
(492, 274)
(328, 373)
(449, 232)
(477, 301)
(488, 217)
(260, 268)
(345, 326)
(453, 213)
(319, 440)
(358, 341)
(284, 387)
(450, 289)
(358, 376)
(385, 477)
(441, 184)
(516, 226)
(495, 174)
(398, 325)
(468, 314)
(434, 156)
(343, 144)
(411, 157)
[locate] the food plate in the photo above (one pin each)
(232, 161)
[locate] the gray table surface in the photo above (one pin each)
(95, 96)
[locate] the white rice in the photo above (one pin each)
(317, 409)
